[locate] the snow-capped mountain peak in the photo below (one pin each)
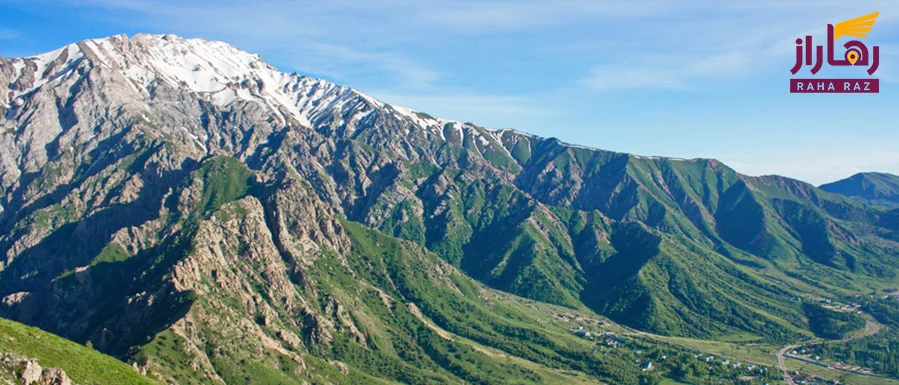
(219, 72)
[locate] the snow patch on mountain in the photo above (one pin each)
(33, 72)
(222, 74)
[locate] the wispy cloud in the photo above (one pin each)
(407, 73)
(667, 72)
(325, 38)
(369, 45)
(669, 45)
(725, 40)
(819, 166)
(478, 17)
(8, 34)
(472, 107)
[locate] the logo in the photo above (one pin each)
(856, 55)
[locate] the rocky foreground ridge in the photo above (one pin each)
(27, 371)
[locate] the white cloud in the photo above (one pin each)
(331, 38)
(817, 165)
(342, 38)
(8, 34)
(667, 72)
(476, 108)
(478, 17)
(726, 40)
(333, 60)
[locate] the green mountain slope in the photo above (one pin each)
(566, 236)
(873, 188)
(228, 297)
(83, 365)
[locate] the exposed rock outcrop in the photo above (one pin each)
(28, 372)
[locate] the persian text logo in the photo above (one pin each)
(856, 54)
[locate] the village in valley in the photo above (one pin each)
(649, 358)
(682, 359)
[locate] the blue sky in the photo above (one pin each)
(673, 78)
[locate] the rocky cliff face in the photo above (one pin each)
(180, 201)
(28, 372)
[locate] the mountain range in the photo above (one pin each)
(186, 207)
(874, 188)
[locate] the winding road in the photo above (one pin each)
(783, 366)
(874, 329)
(871, 328)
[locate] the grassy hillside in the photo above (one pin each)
(83, 365)
(683, 248)
(869, 187)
